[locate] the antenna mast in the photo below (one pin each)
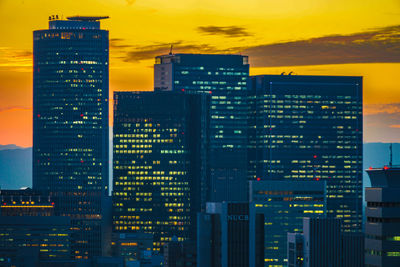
(391, 155)
(170, 51)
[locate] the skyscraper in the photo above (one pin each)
(70, 124)
(382, 228)
(160, 155)
(225, 77)
(310, 128)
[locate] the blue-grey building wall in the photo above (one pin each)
(382, 229)
(283, 204)
(310, 128)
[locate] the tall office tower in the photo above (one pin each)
(284, 204)
(382, 229)
(226, 77)
(160, 177)
(70, 124)
(223, 236)
(310, 128)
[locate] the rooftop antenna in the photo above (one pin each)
(170, 50)
(391, 155)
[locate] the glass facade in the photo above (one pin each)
(284, 204)
(160, 177)
(226, 78)
(70, 125)
(310, 128)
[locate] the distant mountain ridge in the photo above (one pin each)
(15, 167)
(16, 163)
(8, 147)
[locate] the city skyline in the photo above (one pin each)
(276, 37)
(243, 136)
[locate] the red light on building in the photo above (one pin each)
(38, 115)
(315, 156)
(81, 161)
(370, 168)
(258, 179)
(52, 203)
(386, 168)
(183, 90)
(81, 115)
(210, 92)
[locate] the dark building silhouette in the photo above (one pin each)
(160, 156)
(226, 78)
(310, 128)
(382, 228)
(223, 237)
(323, 243)
(180, 254)
(70, 124)
(353, 254)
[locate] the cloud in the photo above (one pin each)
(139, 53)
(15, 58)
(380, 45)
(372, 109)
(118, 43)
(4, 109)
(395, 126)
(228, 31)
(130, 2)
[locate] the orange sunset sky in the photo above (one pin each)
(309, 37)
